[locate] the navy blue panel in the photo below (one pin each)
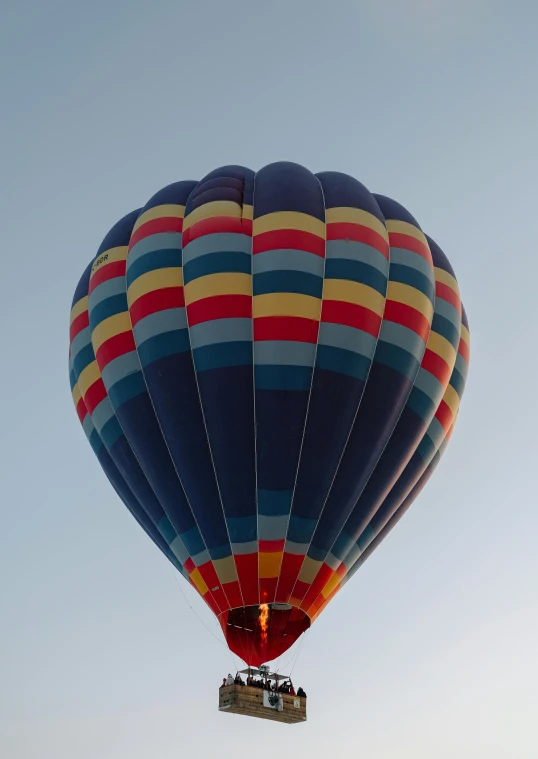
(341, 190)
(176, 193)
(120, 234)
(333, 405)
(393, 210)
(372, 429)
(227, 395)
(172, 386)
(296, 191)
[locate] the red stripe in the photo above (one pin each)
(217, 224)
(81, 322)
(322, 578)
(300, 589)
(106, 272)
(81, 410)
(154, 227)
(399, 240)
(94, 395)
(286, 328)
(209, 576)
(291, 566)
(267, 589)
(444, 415)
(233, 594)
(189, 565)
(294, 239)
(344, 230)
(437, 366)
(400, 313)
(464, 350)
(270, 546)
(219, 307)
(352, 315)
(447, 293)
(114, 347)
(247, 571)
(156, 300)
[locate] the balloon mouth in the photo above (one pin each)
(259, 634)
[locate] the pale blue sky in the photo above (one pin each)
(430, 652)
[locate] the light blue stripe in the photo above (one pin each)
(120, 368)
(286, 259)
(107, 289)
(161, 321)
(348, 338)
(102, 413)
(403, 337)
(284, 353)
(160, 241)
(220, 331)
(272, 528)
(429, 384)
(81, 341)
(213, 243)
(358, 251)
(412, 259)
(447, 310)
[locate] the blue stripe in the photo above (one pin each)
(217, 263)
(269, 377)
(396, 358)
(343, 361)
(287, 281)
(356, 271)
(409, 276)
(157, 259)
(446, 329)
(421, 404)
(221, 355)
(166, 344)
(127, 388)
(117, 304)
(274, 503)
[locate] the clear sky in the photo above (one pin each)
(431, 651)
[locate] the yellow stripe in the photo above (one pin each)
(225, 569)
(247, 211)
(269, 564)
(330, 586)
(199, 582)
(440, 345)
(465, 336)
(88, 376)
(75, 393)
(108, 257)
(288, 220)
(346, 215)
(354, 292)
(404, 228)
(447, 279)
(110, 327)
(452, 399)
(309, 570)
(166, 210)
(154, 280)
(215, 208)
(286, 304)
(79, 308)
(227, 283)
(410, 296)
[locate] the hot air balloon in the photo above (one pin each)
(268, 366)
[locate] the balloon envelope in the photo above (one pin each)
(268, 367)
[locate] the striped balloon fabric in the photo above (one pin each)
(268, 367)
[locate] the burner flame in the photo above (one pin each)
(263, 620)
